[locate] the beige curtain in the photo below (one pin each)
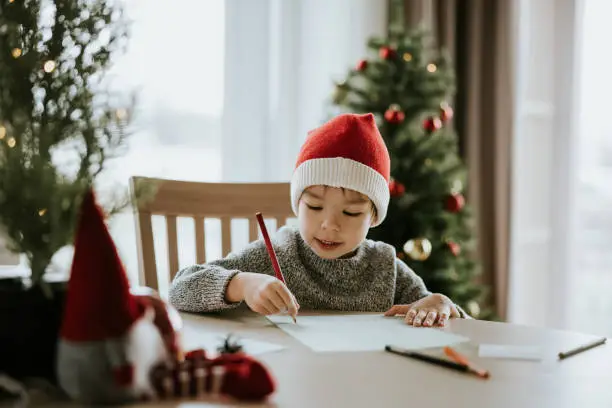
(477, 34)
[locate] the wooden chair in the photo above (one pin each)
(200, 200)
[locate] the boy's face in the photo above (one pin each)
(334, 221)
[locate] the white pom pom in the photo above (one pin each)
(145, 349)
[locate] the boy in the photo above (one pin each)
(339, 189)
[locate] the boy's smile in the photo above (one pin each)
(334, 221)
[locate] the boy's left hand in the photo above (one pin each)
(431, 310)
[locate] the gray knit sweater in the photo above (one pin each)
(372, 280)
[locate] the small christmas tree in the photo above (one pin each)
(409, 87)
(58, 124)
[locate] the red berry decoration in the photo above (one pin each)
(432, 124)
(446, 113)
(396, 189)
(454, 202)
(394, 114)
(386, 53)
(454, 248)
(362, 65)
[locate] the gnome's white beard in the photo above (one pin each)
(145, 349)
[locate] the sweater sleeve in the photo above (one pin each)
(409, 287)
(201, 288)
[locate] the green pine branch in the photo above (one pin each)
(59, 123)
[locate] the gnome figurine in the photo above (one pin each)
(119, 344)
(110, 338)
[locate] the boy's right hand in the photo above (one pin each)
(266, 294)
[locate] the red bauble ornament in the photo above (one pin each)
(396, 189)
(446, 113)
(454, 248)
(394, 114)
(361, 65)
(432, 124)
(454, 202)
(386, 53)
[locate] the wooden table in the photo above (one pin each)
(379, 379)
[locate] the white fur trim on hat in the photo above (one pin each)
(341, 172)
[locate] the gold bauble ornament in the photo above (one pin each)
(473, 308)
(418, 249)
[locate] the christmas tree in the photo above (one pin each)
(59, 124)
(409, 87)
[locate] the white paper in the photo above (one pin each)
(510, 352)
(212, 341)
(361, 332)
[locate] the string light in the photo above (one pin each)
(407, 56)
(457, 186)
(432, 67)
(49, 66)
(42, 212)
(11, 1)
(121, 114)
(16, 52)
(2, 132)
(11, 142)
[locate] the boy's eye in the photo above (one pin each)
(350, 214)
(314, 208)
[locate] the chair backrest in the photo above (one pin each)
(200, 200)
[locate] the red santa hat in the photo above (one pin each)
(99, 304)
(347, 151)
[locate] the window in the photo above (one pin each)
(561, 264)
(591, 303)
(228, 91)
(175, 61)
(544, 153)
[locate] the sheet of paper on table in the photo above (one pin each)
(510, 352)
(361, 332)
(212, 341)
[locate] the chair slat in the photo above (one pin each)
(200, 201)
(253, 230)
(226, 235)
(200, 238)
(173, 263)
(146, 251)
(280, 221)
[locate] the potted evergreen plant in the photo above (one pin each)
(59, 125)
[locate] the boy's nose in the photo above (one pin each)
(331, 223)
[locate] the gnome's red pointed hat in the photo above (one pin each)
(99, 305)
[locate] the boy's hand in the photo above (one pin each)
(267, 295)
(431, 310)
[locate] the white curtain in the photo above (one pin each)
(544, 162)
(282, 57)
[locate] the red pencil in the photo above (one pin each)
(271, 253)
